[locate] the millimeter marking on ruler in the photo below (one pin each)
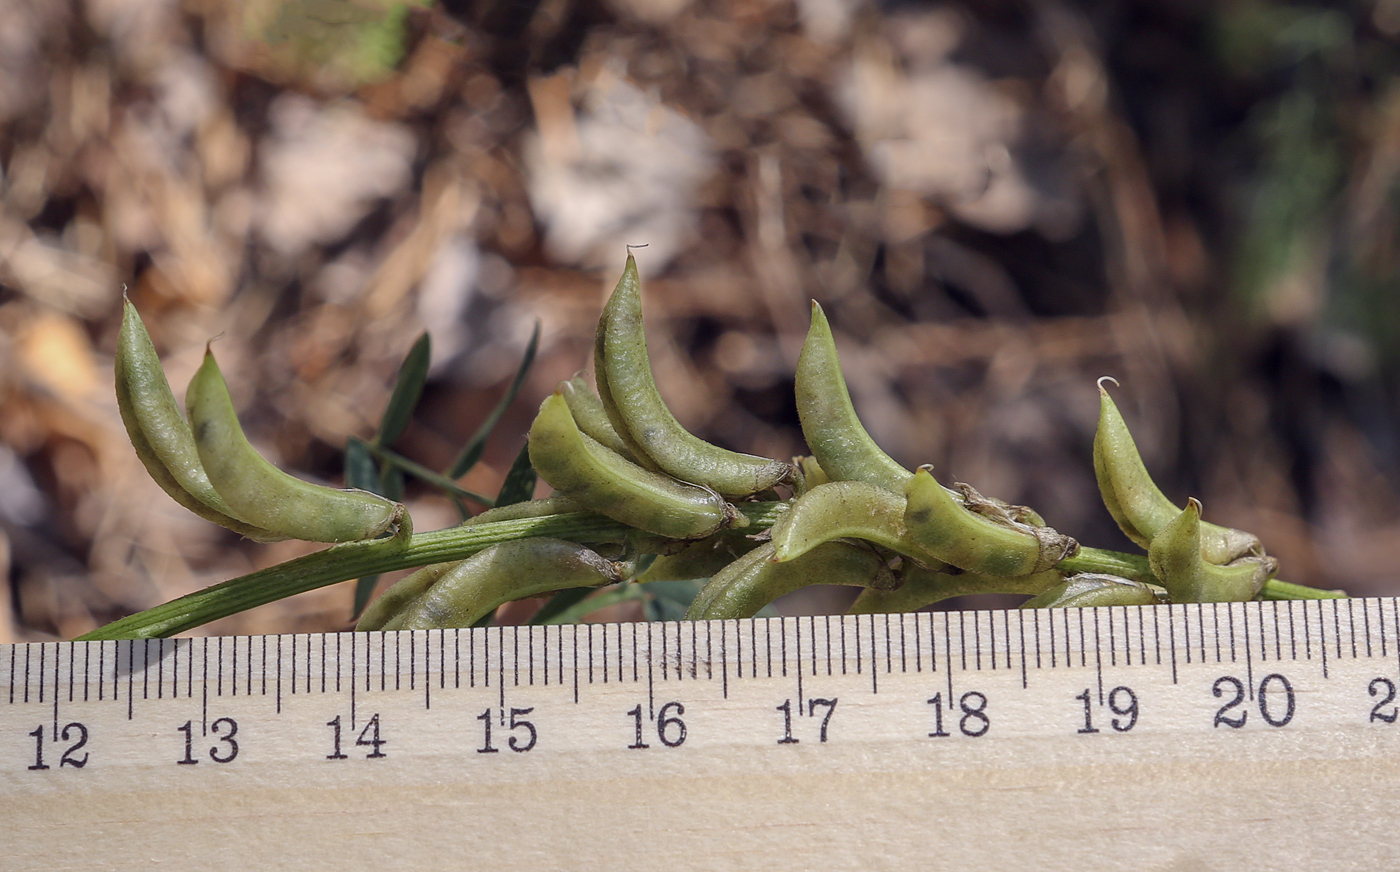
(1003, 698)
(288, 668)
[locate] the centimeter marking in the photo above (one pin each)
(128, 675)
(1103, 736)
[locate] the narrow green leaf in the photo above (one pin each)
(391, 482)
(438, 480)
(413, 374)
(475, 446)
(606, 597)
(669, 600)
(642, 564)
(560, 603)
(360, 469)
(364, 587)
(519, 483)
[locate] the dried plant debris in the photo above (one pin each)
(992, 207)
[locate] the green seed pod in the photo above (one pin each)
(974, 541)
(829, 423)
(555, 505)
(753, 581)
(1134, 500)
(159, 433)
(700, 559)
(628, 391)
(845, 510)
(591, 417)
(393, 602)
(1092, 589)
(921, 587)
(509, 571)
(265, 495)
(1176, 558)
(605, 482)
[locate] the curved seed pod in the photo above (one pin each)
(1134, 500)
(1092, 589)
(395, 601)
(265, 495)
(700, 559)
(605, 482)
(555, 505)
(753, 581)
(829, 423)
(509, 571)
(159, 433)
(641, 416)
(591, 417)
(843, 449)
(975, 542)
(1177, 561)
(845, 510)
(392, 603)
(922, 587)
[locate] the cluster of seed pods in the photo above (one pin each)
(852, 514)
(1193, 560)
(207, 465)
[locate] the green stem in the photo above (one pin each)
(355, 559)
(1136, 567)
(1131, 566)
(1275, 589)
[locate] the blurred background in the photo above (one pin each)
(996, 201)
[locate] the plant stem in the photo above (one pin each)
(1276, 589)
(1136, 567)
(355, 559)
(1131, 566)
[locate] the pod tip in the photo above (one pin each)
(1106, 378)
(209, 346)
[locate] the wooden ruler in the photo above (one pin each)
(1171, 737)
